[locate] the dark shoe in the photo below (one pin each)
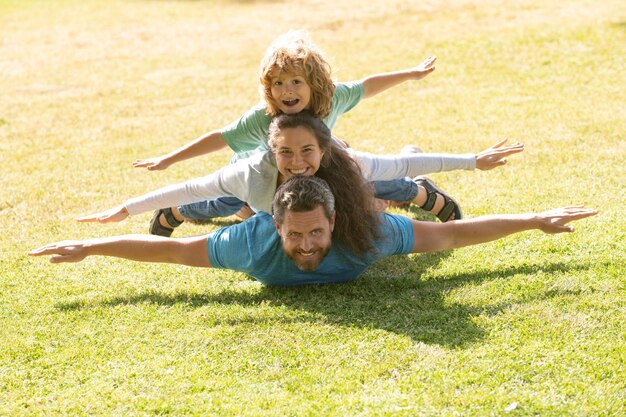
(156, 228)
(450, 206)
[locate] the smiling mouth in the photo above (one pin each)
(298, 171)
(291, 103)
(301, 171)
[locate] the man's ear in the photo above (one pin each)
(332, 221)
(276, 224)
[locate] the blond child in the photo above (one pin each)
(295, 76)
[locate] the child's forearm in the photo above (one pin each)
(210, 142)
(378, 83)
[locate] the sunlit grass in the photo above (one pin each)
(532, 324)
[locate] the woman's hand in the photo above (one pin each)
(116, 214)
(495, 155)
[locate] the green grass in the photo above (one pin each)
(532, 324)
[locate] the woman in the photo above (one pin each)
(300, 144)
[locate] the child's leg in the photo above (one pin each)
(207, 210)
(165, 220)
(400, 190)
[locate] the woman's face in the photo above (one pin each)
(297, 152)
(290, 92)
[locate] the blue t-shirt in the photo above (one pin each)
(254, 247)
(248, 134)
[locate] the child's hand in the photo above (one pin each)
(152, 164)
(495, 155)
(116, 214)
(423, 69)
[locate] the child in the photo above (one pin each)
(294, 76)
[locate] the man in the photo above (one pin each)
(295, 247)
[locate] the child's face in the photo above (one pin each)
(290, 92)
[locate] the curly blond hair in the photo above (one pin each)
(294, 52)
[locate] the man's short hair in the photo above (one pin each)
(303, 194)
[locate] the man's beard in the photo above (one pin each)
(311, 263)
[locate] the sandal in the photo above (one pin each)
(156, 228)
(450, 206)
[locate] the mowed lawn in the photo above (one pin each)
(529, 325)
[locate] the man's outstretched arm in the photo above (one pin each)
(191, 251)
(432, 237)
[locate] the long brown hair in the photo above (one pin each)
(356, 223)
(294, 52)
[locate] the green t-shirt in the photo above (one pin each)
(248, 135)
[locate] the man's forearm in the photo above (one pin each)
(488, 228)
(190, 251)
(142, 248)
(430, 237)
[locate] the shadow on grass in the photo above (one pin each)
(389, 296)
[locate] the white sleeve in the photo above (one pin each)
(228, 181)
(390, 167)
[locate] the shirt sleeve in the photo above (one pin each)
(228, 181)
(347, 95)
(244, 247)
(389, 167)
(397, 235)
(228, 248)
(249, 133)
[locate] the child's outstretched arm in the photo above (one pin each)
(378, 83)
(207, 143)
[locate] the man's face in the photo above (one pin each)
(306, 237)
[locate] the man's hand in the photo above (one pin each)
(423, 69)
(152, 164)
(555, 221)
(495, 155)
(66, 251)
(116, 214)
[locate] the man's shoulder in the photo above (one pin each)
(239, 246)
(396, 234)
(257, 227)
